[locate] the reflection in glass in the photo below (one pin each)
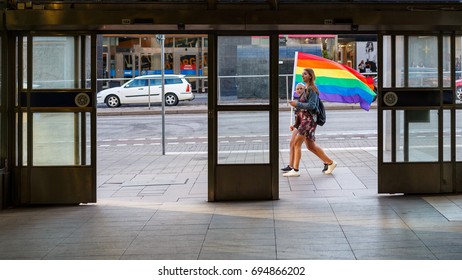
(87, 62)
(22, 141)
(386, 61)
(243, 70)
(423, 61)
(57, 139)
(446, 135)
(24, 64)
(88, 158)
(447, 61)
(387, 136)
(416, 136)
(400, 81)
(243, 137)
(53, 62)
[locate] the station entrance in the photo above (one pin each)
(54, 120)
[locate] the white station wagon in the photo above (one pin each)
(145, 89)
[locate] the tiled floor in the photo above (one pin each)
(155, 207)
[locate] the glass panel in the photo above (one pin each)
(447, 135)
(417, 137)
(447, 61)
(387, 136)
(88, 62)
(22, 141)
(400, 81)
(24, 65)
(53, 62)
(187, 42)
(386, 77)
(423, 61)
(243, 137)
(88, 139)
(57, 138)
(243, 70)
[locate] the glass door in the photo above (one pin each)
(55, 158)
(416, 139)
(243, 113)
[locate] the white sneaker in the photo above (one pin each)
(330, 167)
(292, 173)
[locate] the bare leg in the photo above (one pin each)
(292, 148)
(298, 150)
(317, 150)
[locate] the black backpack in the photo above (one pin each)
(321, 113)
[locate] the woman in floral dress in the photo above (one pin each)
(306, 108)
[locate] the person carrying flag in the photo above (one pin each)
(307, 104)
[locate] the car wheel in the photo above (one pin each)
(171, 99)
(459, 92)
(112, 101)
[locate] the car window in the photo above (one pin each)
(156, 82)
(171, 81)
(137, 83)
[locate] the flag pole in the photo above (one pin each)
(293, 88)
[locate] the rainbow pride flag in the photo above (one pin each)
(336, 82)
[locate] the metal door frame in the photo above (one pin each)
(219, 188)
(414, 177)
(71, 184)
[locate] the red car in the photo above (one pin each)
(459, 89)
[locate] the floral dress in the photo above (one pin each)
(304, 120)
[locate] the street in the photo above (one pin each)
(344, 128)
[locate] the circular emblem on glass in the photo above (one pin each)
(390, 98)
(82, 99)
